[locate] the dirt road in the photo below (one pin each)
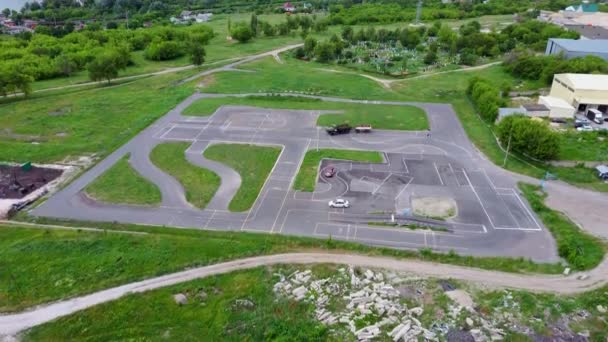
(13, 324)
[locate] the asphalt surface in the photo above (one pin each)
(14, 323)
(492, 220)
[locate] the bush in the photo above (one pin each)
(164, 50)
(242, 33)
(530, 137)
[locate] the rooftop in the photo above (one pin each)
(535, 107)
(586, 81)
(583, 45)
(555, 102)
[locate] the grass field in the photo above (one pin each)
(212, 309)
(41, 265)
(199, 184)
(581, 250)
(307, 175)
(253, 163)
(122, 184)
(217, 317)
(379, 116)
(50, 127)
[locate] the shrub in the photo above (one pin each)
(531, 137)
(164, 50)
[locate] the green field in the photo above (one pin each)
(379, 116)
(122, 184)
(50, 127)
(253, 163)
(307, 175)
(199, 184)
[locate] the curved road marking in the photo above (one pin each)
(14, 323)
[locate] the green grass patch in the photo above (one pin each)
(581, 250)
(199, 184)
(122, 184)
(379, 116)
(253, 163)
(218, 316)
(307, 175)
(584, 146)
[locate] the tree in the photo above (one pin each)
(65, 65)
(242, 33)
(325, 52)
(530, 137)
(309, 45)
(197, 53)
(253, 24)
(163, 50)
(430, 57)
(106, 66)
(268, 29)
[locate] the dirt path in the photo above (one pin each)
(387, 83)
(13, 324)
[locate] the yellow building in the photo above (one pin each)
(582, 91)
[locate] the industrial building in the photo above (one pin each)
(572, 48)
(581, 91)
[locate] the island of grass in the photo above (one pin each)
(307, 175)
(199, 184)
(253, 163)
(121, 184)
(396, 117)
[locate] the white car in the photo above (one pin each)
(339, 203)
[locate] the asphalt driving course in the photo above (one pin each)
(491, 220)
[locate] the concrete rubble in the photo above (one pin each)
(367, 298)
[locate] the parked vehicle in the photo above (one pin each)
(363, 129)
(585, 128)
(339, 129)
(595, 116)
(339, 203)
(329, 171)
(602, 171)
(580, 121)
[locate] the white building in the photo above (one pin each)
(582, 91)
(558, 108)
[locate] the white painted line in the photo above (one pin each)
(407, 170)
(408, 183)
(438, 174)
(478, 198)
(527, 210)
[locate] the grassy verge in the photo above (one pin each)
(122, 184)
(379, 116)
(581, 250)
(307, 175)
(199, 184)
(253, 163)
(47, 265)
(218, 315)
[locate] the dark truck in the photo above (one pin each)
(339, 129)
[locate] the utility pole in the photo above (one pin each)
(508, 147)
(418, 11)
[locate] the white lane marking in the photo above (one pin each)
(478, 199)
(438, 174)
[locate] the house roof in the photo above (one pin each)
(583, 8)
(506, 111)
(582, 45)
(602, 169)
(586, 81)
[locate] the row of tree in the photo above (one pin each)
(486, 98)
(527, 65)
(244, 32)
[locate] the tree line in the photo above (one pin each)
(245, 31)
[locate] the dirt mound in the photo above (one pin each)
(17, 182)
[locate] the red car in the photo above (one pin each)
(329, 171)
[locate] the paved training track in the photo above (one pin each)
(13, 324)
(492, 217)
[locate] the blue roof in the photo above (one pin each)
(583, 45)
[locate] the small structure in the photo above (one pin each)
(582, 91)
(187, 17)
(531, 110)
(558, 108)
(288, 7)
(582, 8)
(572, 48)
